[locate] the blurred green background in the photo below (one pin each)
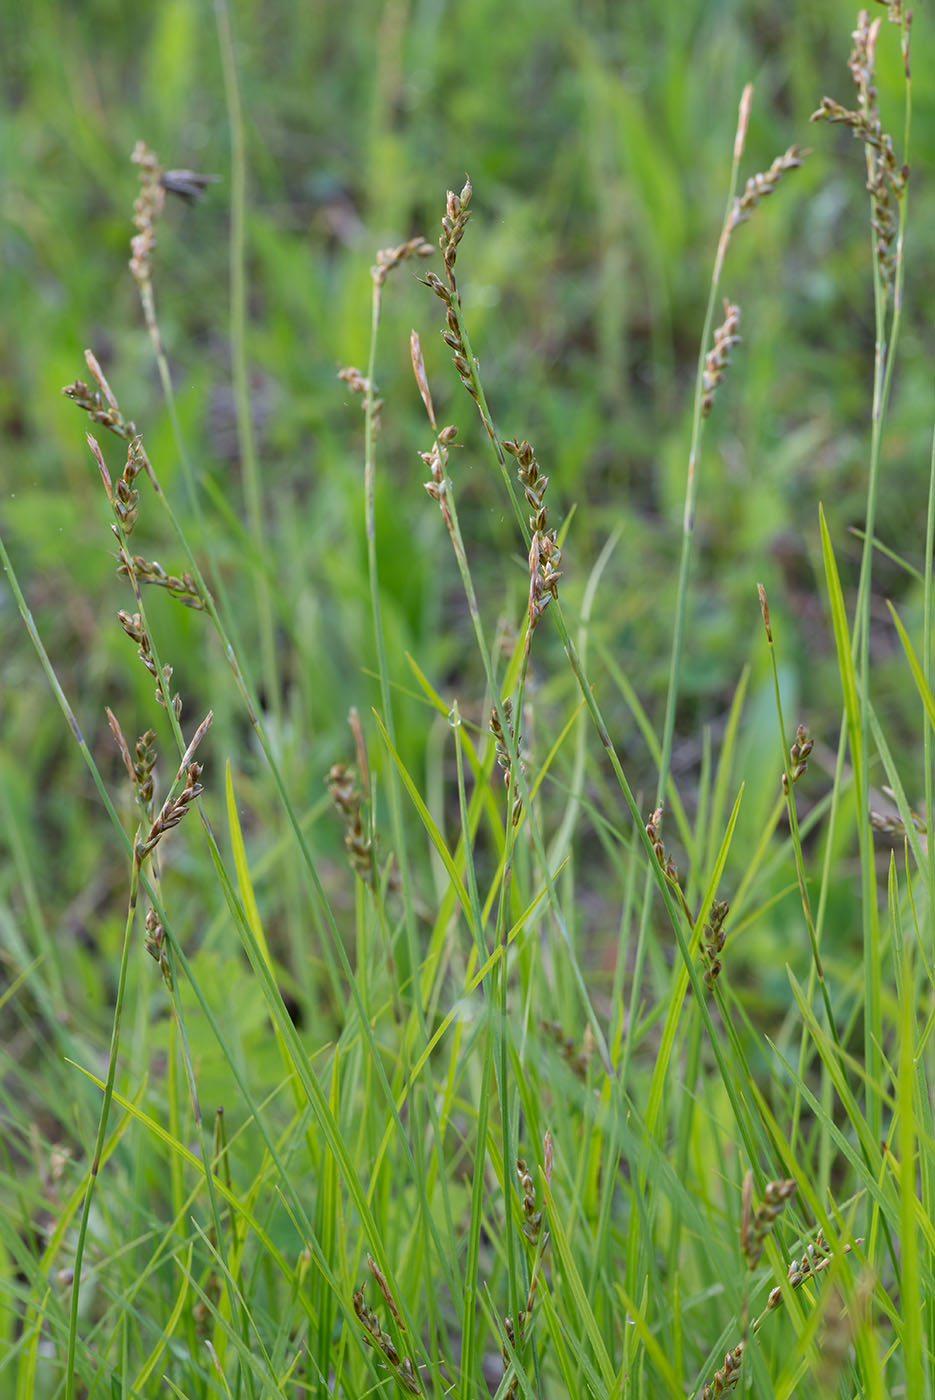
(598, 139)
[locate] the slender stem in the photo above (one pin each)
(691, 483)
(797, 844)
(888, 316)
(681, 592)
(246, 436)
(509, 736)
(102, 1121)
(399, 828)
(927, 670)
(386, 702)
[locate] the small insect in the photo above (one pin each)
(187, 184)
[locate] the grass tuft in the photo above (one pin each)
(584, 1008)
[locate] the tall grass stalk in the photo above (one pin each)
(887, 184)
(887, 297)
(678, 627)
(386, 262)
(246, 435)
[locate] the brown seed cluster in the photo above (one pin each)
(345, 794)
(405, 1372)
(713, 935)
(388, 258)
(798, 756)
(100, 404)
(132, 624)
(146, 210)
(718, 358)
(712, 941)
(454, 223)
(140, 768)
(761, 185)
(358, 383)
(532, 1218)
(886, 180)
(502, 745)
(654, 832)
(184, 588)
(544, 553)
(453, 337)
(756, 1225)
(124, 497)
(384, 1288)
(173, 810)
(140, 772)
(155, 945)
(764, 609)
(437, 463)
(894, 825)
(517, 1336)
(143, 767)
(816, 1257)
(727, 1377)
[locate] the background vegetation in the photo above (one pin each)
(598, 139)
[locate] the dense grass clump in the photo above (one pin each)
(532, 863)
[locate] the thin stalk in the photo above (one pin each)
(927, 670)
(502, 927)
(685, 558)
(887, 304)
(691, 484)
(509, 736)
(493, 1038)
(795, 835)
(826, 873)
(926, 1175)
(378, 277)
(253, 492)
(102, 1121)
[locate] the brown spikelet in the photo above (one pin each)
(504, 758)
(173, 811)
(402, 1366)
(346, 796)
(759, 186)
(718, 358)
(798, 756)
(756, 1225)
(544, 553)
(388, 258)
(886, 178)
